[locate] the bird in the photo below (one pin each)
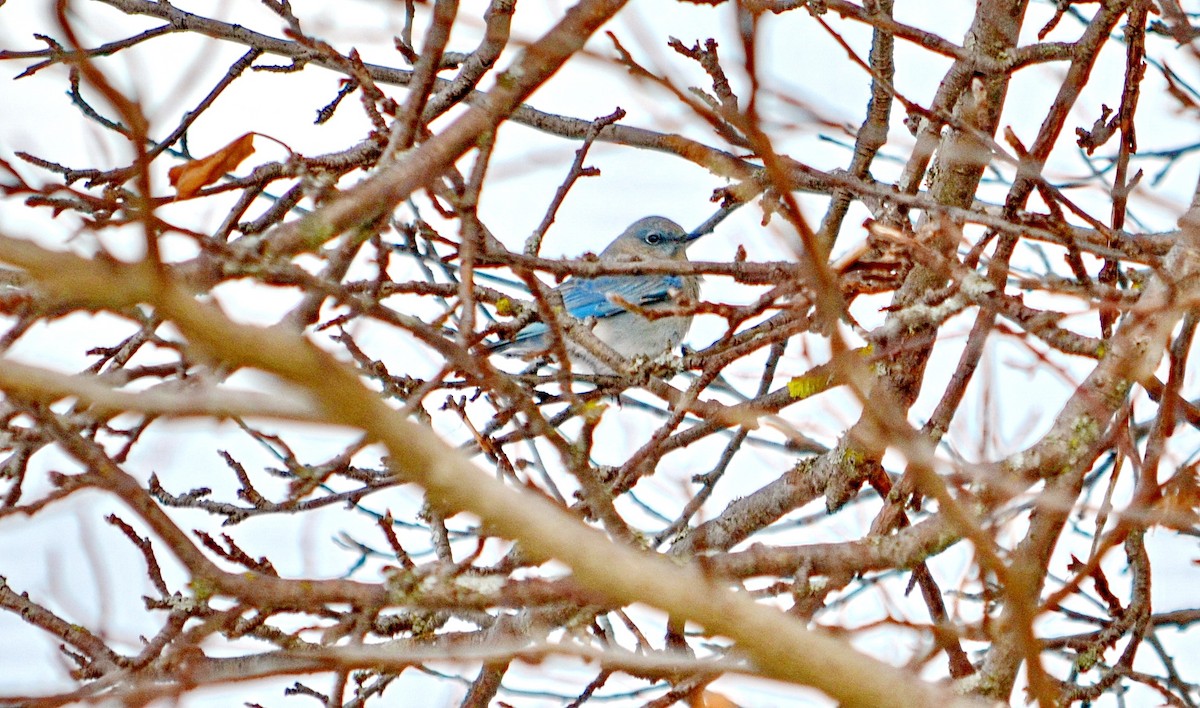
(598, 302)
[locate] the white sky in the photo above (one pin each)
(169, 75)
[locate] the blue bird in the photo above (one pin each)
(596, 301)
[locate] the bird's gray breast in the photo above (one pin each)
(632, 335)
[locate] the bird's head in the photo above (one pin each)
(651, 238)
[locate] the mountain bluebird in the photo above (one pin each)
(594, 300)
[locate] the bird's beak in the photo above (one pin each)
(693, 236)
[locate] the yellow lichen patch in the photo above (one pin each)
(805, 386)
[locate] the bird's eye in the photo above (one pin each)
(653, 237)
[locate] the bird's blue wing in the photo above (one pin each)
(589, 297)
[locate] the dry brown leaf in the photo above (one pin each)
(190, 177)
(1181, 499)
